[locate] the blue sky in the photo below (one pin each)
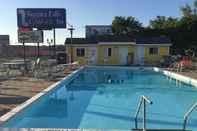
(84, 12)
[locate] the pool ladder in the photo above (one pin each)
(187, 114)
(144, 100)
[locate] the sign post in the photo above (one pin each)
(38, 55)
(24, 56)
(71, 41)
(54, 42)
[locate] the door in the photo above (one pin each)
(93, 56)
(139, 55)
(123, 55)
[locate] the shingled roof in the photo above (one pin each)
(80, 41)
(153, 40)
(115, 39)
(139, 40)
(95, 40)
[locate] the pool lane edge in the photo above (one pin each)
(178, 77)
(29, 102)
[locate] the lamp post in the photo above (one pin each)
(24, 55)
(54, 42)
(49, 44)
(71, 29)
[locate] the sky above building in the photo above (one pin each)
(88, 12)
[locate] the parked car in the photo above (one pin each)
(61, 58)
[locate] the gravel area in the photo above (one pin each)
(14, 92)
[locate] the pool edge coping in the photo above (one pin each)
(36, 97)
(176, 76)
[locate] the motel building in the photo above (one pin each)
(118, 50)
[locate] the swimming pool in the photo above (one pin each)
(107, 98)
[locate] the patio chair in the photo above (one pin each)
(36, 68)
(4, 73)
(71, 67)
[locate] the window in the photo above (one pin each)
(109, 52)
(80, 52)
(153, 51)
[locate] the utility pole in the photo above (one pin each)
(38, 55)
(54, 41)
(24, 57)
(71, 29)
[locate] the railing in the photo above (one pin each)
(186, 116)
(143, 100)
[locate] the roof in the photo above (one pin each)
(153, 40)
(111, 38)
(98, 25)
(80, 41)
(140, 40)
(95, 40)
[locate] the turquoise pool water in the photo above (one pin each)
(107, 99)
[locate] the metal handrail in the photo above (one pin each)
(143, 100)
(186, 116)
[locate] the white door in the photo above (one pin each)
(93, 56)
(123, 53)
(139, 55)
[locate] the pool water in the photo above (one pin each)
(108, 99)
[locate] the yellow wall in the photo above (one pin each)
(155, 59)
(101, 55)
(114, 59)
(82, 60)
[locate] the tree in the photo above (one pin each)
(162, 22)
(186, 11)
(125, 25)
(195, 3)
(182, 31)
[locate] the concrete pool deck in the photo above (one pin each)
(23, 129)
(14, 92)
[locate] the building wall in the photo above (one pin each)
(95, 30)
(82, 60)
(114, 59)
(31, 51)
(155, 59)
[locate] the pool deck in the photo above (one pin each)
(16, 91)
(189, 74)
(23, 129)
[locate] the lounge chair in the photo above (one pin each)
(71, 67)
